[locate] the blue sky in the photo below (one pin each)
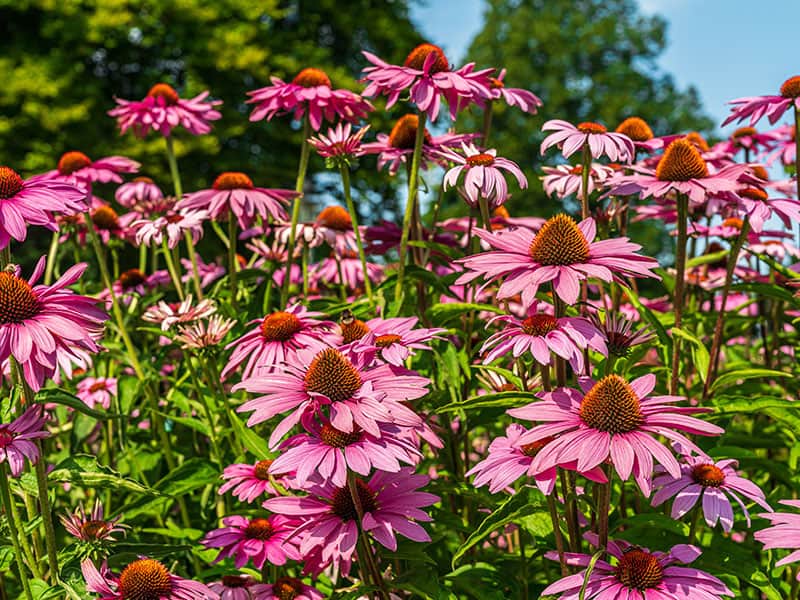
(725, 48)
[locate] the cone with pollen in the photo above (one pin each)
(681, 162)
(73, 161)
(416, 58)
(559, 242)
(145, 579)
(639, 570)
(311, 77)
(404, 133)
(332, 375)
(164, 91)
(635, 128)
(611, 406)
(10, 183)
(280, 326)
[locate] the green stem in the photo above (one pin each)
(680, 287)
(603, 510)
(173, 169)
(797, 157)
(551, 503)
(52, 255)
(354, 218)
(483, 203)
(305, 154)
(23, 540)
(719, 326)
(586, 167)
(695, 524)
(173, 273)
(198, 288)
(233, 263)
(366, 555)
(413, 186)
(5, 495)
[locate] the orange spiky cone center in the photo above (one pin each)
(233, 180)
(611, 406)
(635, 128)
(681, 162)
(404, 133)
(10, 183)
(559, 242)
(165, 92)
(311, 77)
(416, 58)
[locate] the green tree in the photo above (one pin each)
(65, 61)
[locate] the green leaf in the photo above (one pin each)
(700, 355)
(251, 440)
(83, 469)
(59, 396)
(734, 376)
(516, 507)
(191, 475)
(496, 400)
(705, 259)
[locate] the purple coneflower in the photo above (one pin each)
(141, 190)
(571, 138)
(258, 540)
(17, 439)
(250, 481)
(483, 175)
(95, 391)
(171, 228)
(163, 109)
(565, 180)
(772, 107)
(92, 527)
(143, 578)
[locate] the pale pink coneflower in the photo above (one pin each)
(711, 483)
(397, 147)
(311, 93)
(138, 191)
(34, 201)
(163, 109)
(636, 573)
(18, 439)
(426, 74)
(525, 100)
(612, 420)
(355, 391)
(325, 454)
(168, 315)
(258, 540)
(44, 325)
(782, 533)
(683, 170)
(543, 335)
(142, 578)
(772, 107)
(171, 227)
(508, 460)
(390, 503)
(248, 482)
(95, 391)
(339, 144)
(483, 175)
(204, 333)
(571, 139)
(565, 180)
(276, 339)
(92, 527)
(562, 252)
(234, 192)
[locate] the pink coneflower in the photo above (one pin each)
(356, 392)
(681, 169)
(209, 272)
(258, 540)
(508, 460)
(78, 169)
(16, 439)
(107, 223)
(249, 482)
(92, 527)
(562, 252)
(612, 420)
(168, 315)
(619, 332)
(397, 147)
(348, 265)
(144, 578)
(640, 134)
(278, 336)
(41, 325)
(390, 503)
(234, 192)
(141, 190)
(773, 107)
(759, 207)
(335, 226)
(309, 92)
(483, 175)
(339, 143)
(638, 574)
(749, 139)
(33, 202)
(285, 588)
(163, 109)
(235, 587)
(326, 451)
(171, 227)
(542, 334)
(782, 533)
(570, 139)
(565, 180)
(527, 101)
(397, 339)
(703, 478)
(95, 391)
(204, 334)
(427, 75)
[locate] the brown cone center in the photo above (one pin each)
(18, 303)
(404, 133)
(559, 242)
(261, 470)
(639, 570)
(73, 161)
(335, 217)
(590, 127)
(145, 579)
(791, 87)
(164, 91)
(339, 439)
(131, 278)
(611, 406)
(681, 162)
(280, 326)
(233, 180)
(312, 77)
(635, 128)
(342, 502)
(287, 588)
(353, 329)
(105, 217)
(332, 375)
(10, 183)
(259, 529)
(539, 325)
(416, 59)
(708, 475)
